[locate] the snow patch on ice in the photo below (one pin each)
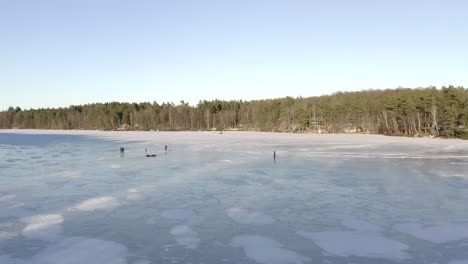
(72, 174)
(242, 216)
(356, 243)
(98, 203)
(178, 214)
(7, 198)
(441, 233)
(150, 221)
(185, 236)
(44, 226)
(267, 251)
(77, 250)
(115, 166)
(134, 195)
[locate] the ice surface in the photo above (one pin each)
(267, 251)
(70, 197)
(242, 216)
(360, 244)
(98, 203)
(440, 233)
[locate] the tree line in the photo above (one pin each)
(402, 112)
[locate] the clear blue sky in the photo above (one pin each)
(57, 53)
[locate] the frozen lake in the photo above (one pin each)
(70, 197)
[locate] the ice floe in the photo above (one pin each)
(185, 236)
(243, 216)
(98, 203)
(440, 233)
(267, 251)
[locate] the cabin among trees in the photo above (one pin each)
(401, 112)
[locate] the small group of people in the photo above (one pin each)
(122, 150)
(153, 155)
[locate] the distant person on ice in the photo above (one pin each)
(165, 148)
(122, 150)
(274, 154)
